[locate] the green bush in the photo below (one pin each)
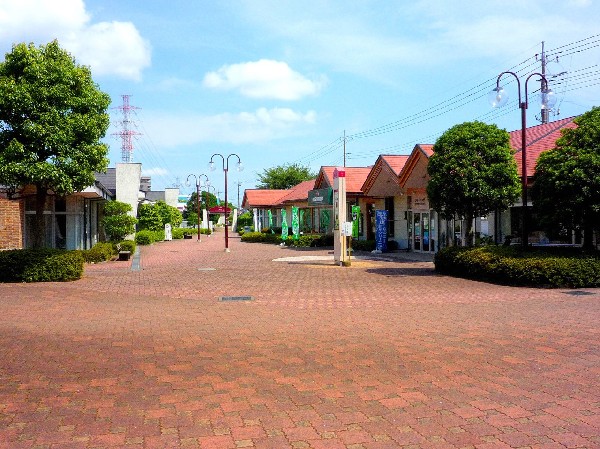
(363, 245)
(145, 237)
(159, 235)
(40, 265)
(512, 266)
(100, 252)
(304, 241)
(126, 245)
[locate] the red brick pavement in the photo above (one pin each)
(383, 354)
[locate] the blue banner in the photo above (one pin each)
(381, 219)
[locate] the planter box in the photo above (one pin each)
(187, 236)
(124, 255)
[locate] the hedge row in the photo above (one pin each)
(40, 265)
(147, 237)
(304, 241)
(512, 266)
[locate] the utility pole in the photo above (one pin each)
(545, 111)
(344, 148)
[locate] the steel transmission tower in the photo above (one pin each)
(126, 133)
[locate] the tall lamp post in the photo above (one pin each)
(198, 180)
(498, 97)
(225, 170)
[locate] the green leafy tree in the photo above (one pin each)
(284, 176)
(149, 218)
(473, 172)
(192, 219)
(117, 222)
(52, 117)
(566, 183)
(168, 214)
(205, 197)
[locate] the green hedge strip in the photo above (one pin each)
(40, 265)
(511, 266)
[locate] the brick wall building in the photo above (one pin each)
(11, 223)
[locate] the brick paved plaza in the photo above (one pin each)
(383, 354)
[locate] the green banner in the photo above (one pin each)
(355, 220)
(271, 221)
(284, 225)
(295, 223)
(302, 220)
(325, 221)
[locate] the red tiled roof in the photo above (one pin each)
(298, 192)
(394, 164)
(263, 197)
(355, 178)
(539, 138)
(420, 150)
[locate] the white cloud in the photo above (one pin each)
(264, 79)
(109, 48)
(171, 130)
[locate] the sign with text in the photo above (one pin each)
(381, 219)
(320, 197)
(219, 210)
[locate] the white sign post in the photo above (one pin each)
(340, 255)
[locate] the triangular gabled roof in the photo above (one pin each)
(262, 198)
(299, 192)
(388, 164)
(419, 151)
(355, 178)
(539, 138)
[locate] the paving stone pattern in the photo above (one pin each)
(382, 354)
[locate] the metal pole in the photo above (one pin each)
(226, 226)
(524, 230)
(198, 206)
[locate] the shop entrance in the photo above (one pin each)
(421, 231)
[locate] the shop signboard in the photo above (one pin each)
(320, 197)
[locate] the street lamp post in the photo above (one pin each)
(198, 184)
(225, 170)
(499, 97)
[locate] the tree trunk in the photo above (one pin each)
(469, 230)
(39, 224)
(588, 235)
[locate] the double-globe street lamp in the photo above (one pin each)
(198, 185)
(225, 170)
(498, 97)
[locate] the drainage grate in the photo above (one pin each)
(578, 293)
(236, 298)
(207, 269)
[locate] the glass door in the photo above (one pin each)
(417, 231)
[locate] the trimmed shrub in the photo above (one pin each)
(100, 252)
(126, 245)
(40, 265)
(363, 245)
(145, 237)
(177, 233)
(512, 266)
(159, 235)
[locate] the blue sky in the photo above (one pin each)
(280, 81)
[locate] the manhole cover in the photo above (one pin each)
(578, 293)
(236, 298)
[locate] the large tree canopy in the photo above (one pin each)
(566, 184)
(52, 117)
(472, 172)
(284, 176)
